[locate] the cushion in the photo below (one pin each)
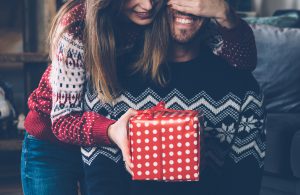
(281, 129)
(295, 156)
(278, 68)
(282, 21)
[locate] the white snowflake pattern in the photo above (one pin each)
(226, 133)
(247, 124)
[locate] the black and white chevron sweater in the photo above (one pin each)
(234, 116)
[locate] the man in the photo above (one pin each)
(234, 135)
(198, 79)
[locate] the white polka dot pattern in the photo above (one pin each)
(166, 145)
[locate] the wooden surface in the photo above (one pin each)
(38, 16)
(10, 145)
(24, 58)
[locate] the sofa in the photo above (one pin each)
(278, 73)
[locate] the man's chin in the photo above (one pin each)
(188, 37)
(183, 39)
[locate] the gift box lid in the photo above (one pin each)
(159, 112)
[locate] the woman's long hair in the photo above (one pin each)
(100, 47)
(155, 48)
(100, 44)
(57, 29)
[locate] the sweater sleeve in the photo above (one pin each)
(237, 46)
(67, 79)
(57, 102)
(37, 122)
(243, 167)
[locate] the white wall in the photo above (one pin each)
(267, 7)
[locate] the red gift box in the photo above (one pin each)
(165, 144)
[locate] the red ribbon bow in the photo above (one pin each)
(150, 112)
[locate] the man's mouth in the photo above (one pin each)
(183, 18)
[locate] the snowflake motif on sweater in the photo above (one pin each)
(226, 133)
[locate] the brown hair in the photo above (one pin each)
(56, 30)
(100, 44)
(100, 47)
(155, 50)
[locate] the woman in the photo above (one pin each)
(69, 122)
(55, 168)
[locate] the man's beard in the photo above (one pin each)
(183, 36)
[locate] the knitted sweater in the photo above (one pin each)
(234, 117)
(59, 96)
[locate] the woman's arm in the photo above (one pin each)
(38, 122)
(57, 102)
(228, 36)
(236, 46)
(70, 123)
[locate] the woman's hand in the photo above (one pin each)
(118, 133)
(217, 9)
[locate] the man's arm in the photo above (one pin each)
(243, 167)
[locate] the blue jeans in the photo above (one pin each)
(50, 168)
